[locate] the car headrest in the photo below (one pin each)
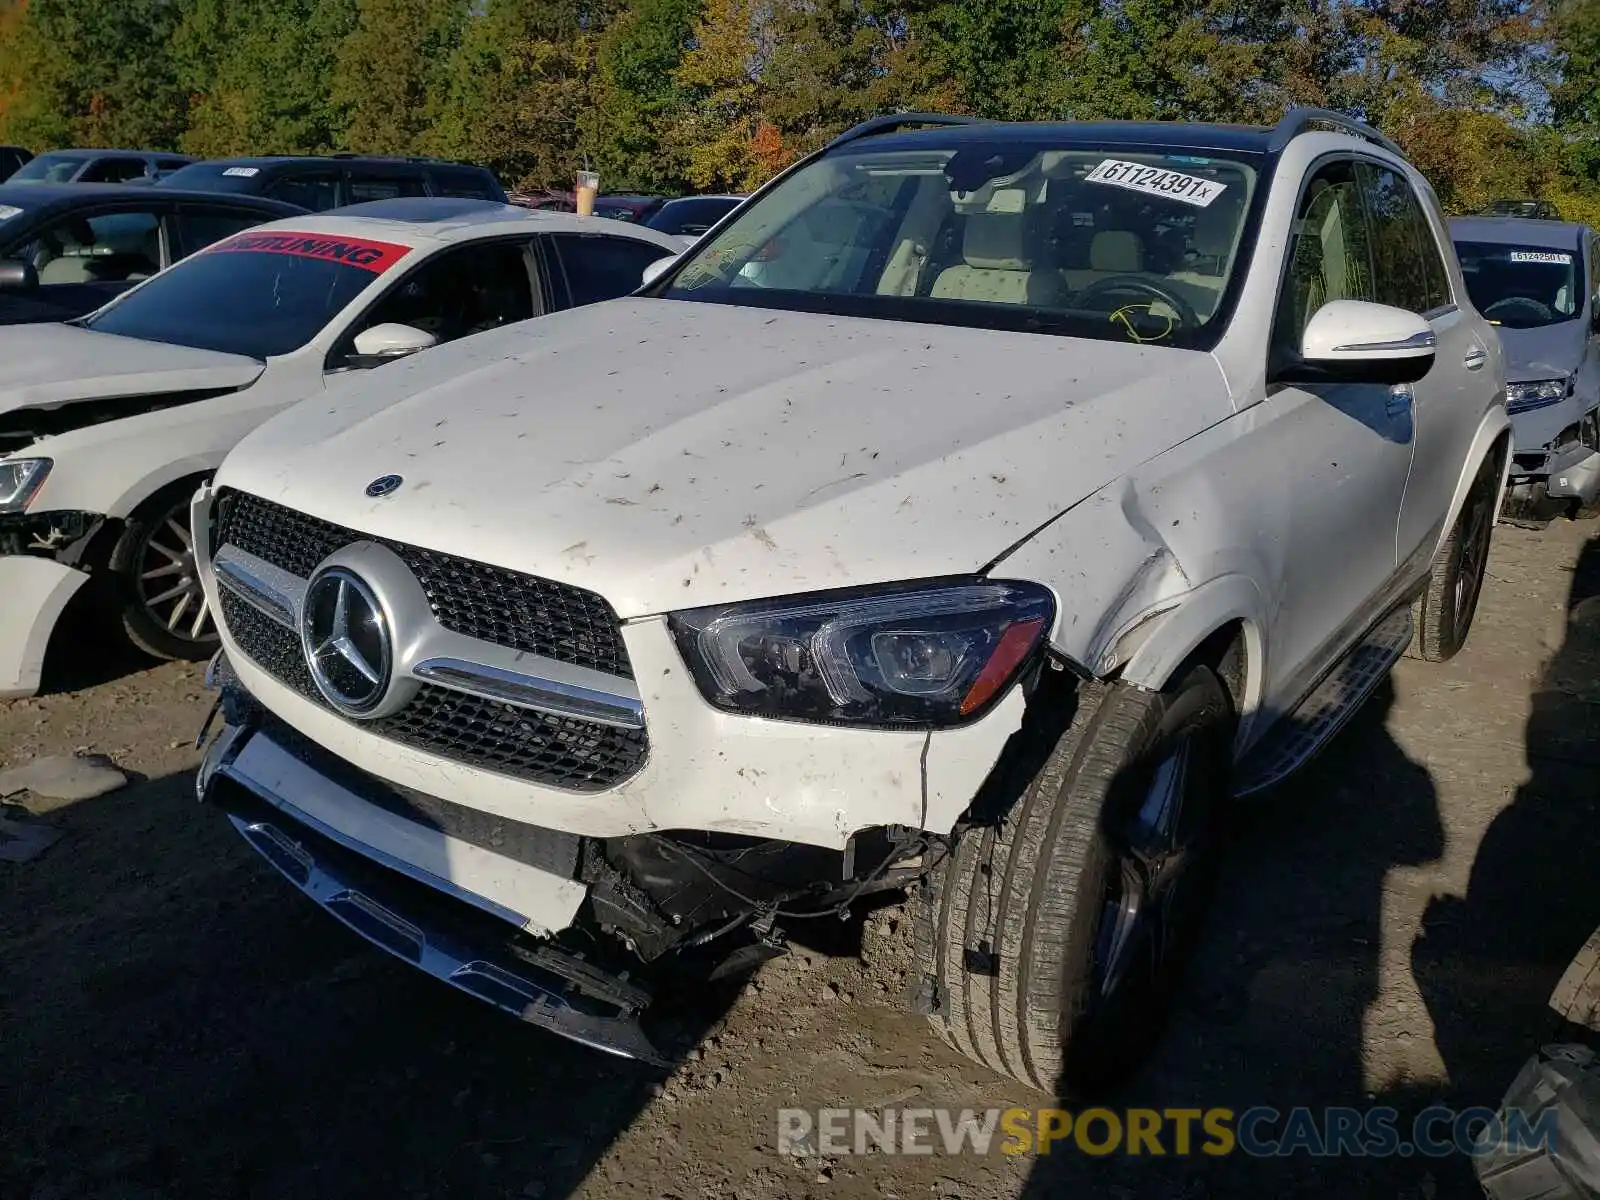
(996, 242)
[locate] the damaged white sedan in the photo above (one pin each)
(109, 423)
(977, 511)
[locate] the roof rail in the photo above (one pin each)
(1298, 120)
(894, 121)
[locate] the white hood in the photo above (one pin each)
(668, 453)
(44, 366)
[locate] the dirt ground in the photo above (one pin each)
(175, 1021)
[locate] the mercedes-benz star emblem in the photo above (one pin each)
(346, 640)
(384, 485)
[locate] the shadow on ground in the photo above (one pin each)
(179, 1022)
(1486, 962)
(88, 648)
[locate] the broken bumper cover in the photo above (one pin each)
(377, 876)
(34, 591)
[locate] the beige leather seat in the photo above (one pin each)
(997, 264)
(1112, 252)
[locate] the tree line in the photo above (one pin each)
(1492, 98)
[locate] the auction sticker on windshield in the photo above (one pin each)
(376, 257)
(1157, 181)
(1541, 256)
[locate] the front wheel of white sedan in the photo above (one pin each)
(157, 586)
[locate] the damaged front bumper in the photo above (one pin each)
(1553, 480)
(550, 927)
(434, 921)
(40, 573)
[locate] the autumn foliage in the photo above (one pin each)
(1492, 97)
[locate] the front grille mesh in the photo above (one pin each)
(556, 751)
(508, 608)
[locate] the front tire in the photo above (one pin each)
(156, 585)
(1443, 613)
(1054, 938)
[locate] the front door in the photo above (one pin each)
(1343, 450)
(1411, 275)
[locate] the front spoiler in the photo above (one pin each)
(445, 935)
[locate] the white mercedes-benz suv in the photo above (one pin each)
(977, 512)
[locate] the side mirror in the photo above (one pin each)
(1355, 341)
(389, 341)
(657, 269)
(17, 276)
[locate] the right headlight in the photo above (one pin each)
(1539, 393)
(20, 481)
(926, 654)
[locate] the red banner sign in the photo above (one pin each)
(376, 257)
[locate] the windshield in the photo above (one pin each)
(47, 168)
(1521, 287)
(1124, 245)
(258, 294)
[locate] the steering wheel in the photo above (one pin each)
(1539, 310)
(1139, 285)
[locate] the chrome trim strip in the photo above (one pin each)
(427, 652)
(436, 953)
(531, 691)
(272, 591)
(1426, 340)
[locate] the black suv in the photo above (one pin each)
(66, 249)
(323, 183)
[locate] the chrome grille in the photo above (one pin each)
(508, 608)
(523, 743)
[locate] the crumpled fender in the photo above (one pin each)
(1145, 572)
(36, 591)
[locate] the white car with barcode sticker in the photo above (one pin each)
(109, 423)
(977, 511)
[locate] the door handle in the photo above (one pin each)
(1475, 358)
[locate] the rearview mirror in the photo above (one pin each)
(383, 343)
(657, 269)
(1355, 341)
(17, 276)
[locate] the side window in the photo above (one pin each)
(599, 267)
(1410, 273)
(202, 226)
(1330, 257)
(114, 170)
(316, 190)
(383, 187)
(109, 248)
(458, 293)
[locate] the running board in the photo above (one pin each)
(1329, 705)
